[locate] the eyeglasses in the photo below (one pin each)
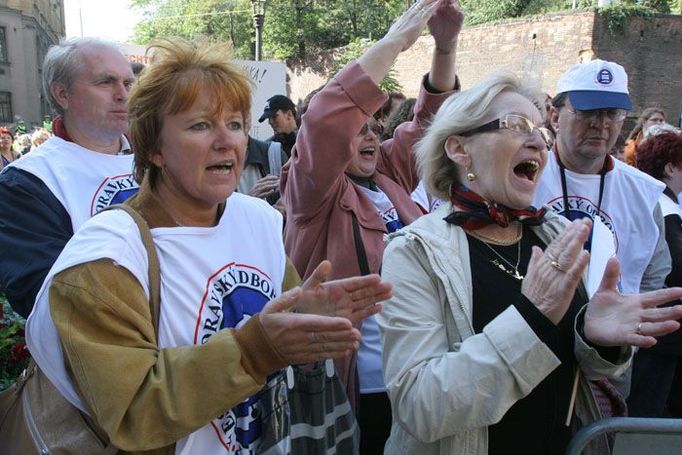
(376, 128)
(516, 123)
(613, 115)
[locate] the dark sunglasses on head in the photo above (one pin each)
(376, 128)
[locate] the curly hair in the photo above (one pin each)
(179, 71)
(654, 153)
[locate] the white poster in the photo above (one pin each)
(270, 78)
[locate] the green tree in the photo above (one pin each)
(213, 20)
(293, 28)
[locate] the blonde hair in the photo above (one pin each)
(172, 82)
(462, 112)
(39, 136)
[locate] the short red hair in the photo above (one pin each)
(657, 151)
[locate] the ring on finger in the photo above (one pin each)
(557, 265)
(638, 330)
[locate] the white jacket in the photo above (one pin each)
(446, 383)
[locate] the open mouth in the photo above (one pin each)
(527, 169)
(221, 168)
(367, 152)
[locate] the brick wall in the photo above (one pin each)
(541, 49)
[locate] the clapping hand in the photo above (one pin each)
(615, 319)
(353, 298)
(327, 334)
(553, 275)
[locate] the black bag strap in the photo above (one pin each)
(154, 271)
(359, 247)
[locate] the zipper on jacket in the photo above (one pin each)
(32, 427)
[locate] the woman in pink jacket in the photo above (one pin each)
(344, 191)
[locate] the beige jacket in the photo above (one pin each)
(447, 384)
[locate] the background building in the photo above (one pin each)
(27, 29)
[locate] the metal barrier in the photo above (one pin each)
(633, 436)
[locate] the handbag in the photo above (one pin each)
(307, 411)
(36, 418)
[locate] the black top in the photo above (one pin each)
(534, 424)
(671, 344)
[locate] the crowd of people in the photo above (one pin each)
(486, 275)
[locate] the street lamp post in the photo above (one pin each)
(258, 21)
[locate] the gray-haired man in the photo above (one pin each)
(84, 168)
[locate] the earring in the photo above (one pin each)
(471, 176)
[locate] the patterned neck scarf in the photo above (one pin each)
(473, 212)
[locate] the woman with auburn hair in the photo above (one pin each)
(490, 338)
(654, 370)
(649, 117)
(195, 386)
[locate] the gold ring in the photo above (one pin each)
(638, 330)
(557, 265)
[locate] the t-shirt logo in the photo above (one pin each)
(391, 220)
(580, 207)
(234, 294)
(604, 77)
(113, 190)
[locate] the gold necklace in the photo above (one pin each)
(493, 241)
(515, 273)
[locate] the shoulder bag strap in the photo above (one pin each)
(153, 259)
(359, 247)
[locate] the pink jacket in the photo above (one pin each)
(319, 197)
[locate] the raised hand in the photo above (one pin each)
(305, 338)
(446, 23)
(615, 319)
(409, 26)
(553, 276)
(353, 298)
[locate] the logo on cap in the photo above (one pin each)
(267, 105)
(604, 77)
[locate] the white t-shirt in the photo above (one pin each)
(425, 200)
(370, 371)
(84, 181)
(626, 209)
(211, 278)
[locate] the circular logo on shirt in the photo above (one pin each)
(113, 190)
(604, 77)
(580, 207)
(232, 296)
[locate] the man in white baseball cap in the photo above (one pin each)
(582, 180)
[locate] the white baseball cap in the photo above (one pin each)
(596, 85)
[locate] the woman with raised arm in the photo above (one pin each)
(491, 336)
(344, 191)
